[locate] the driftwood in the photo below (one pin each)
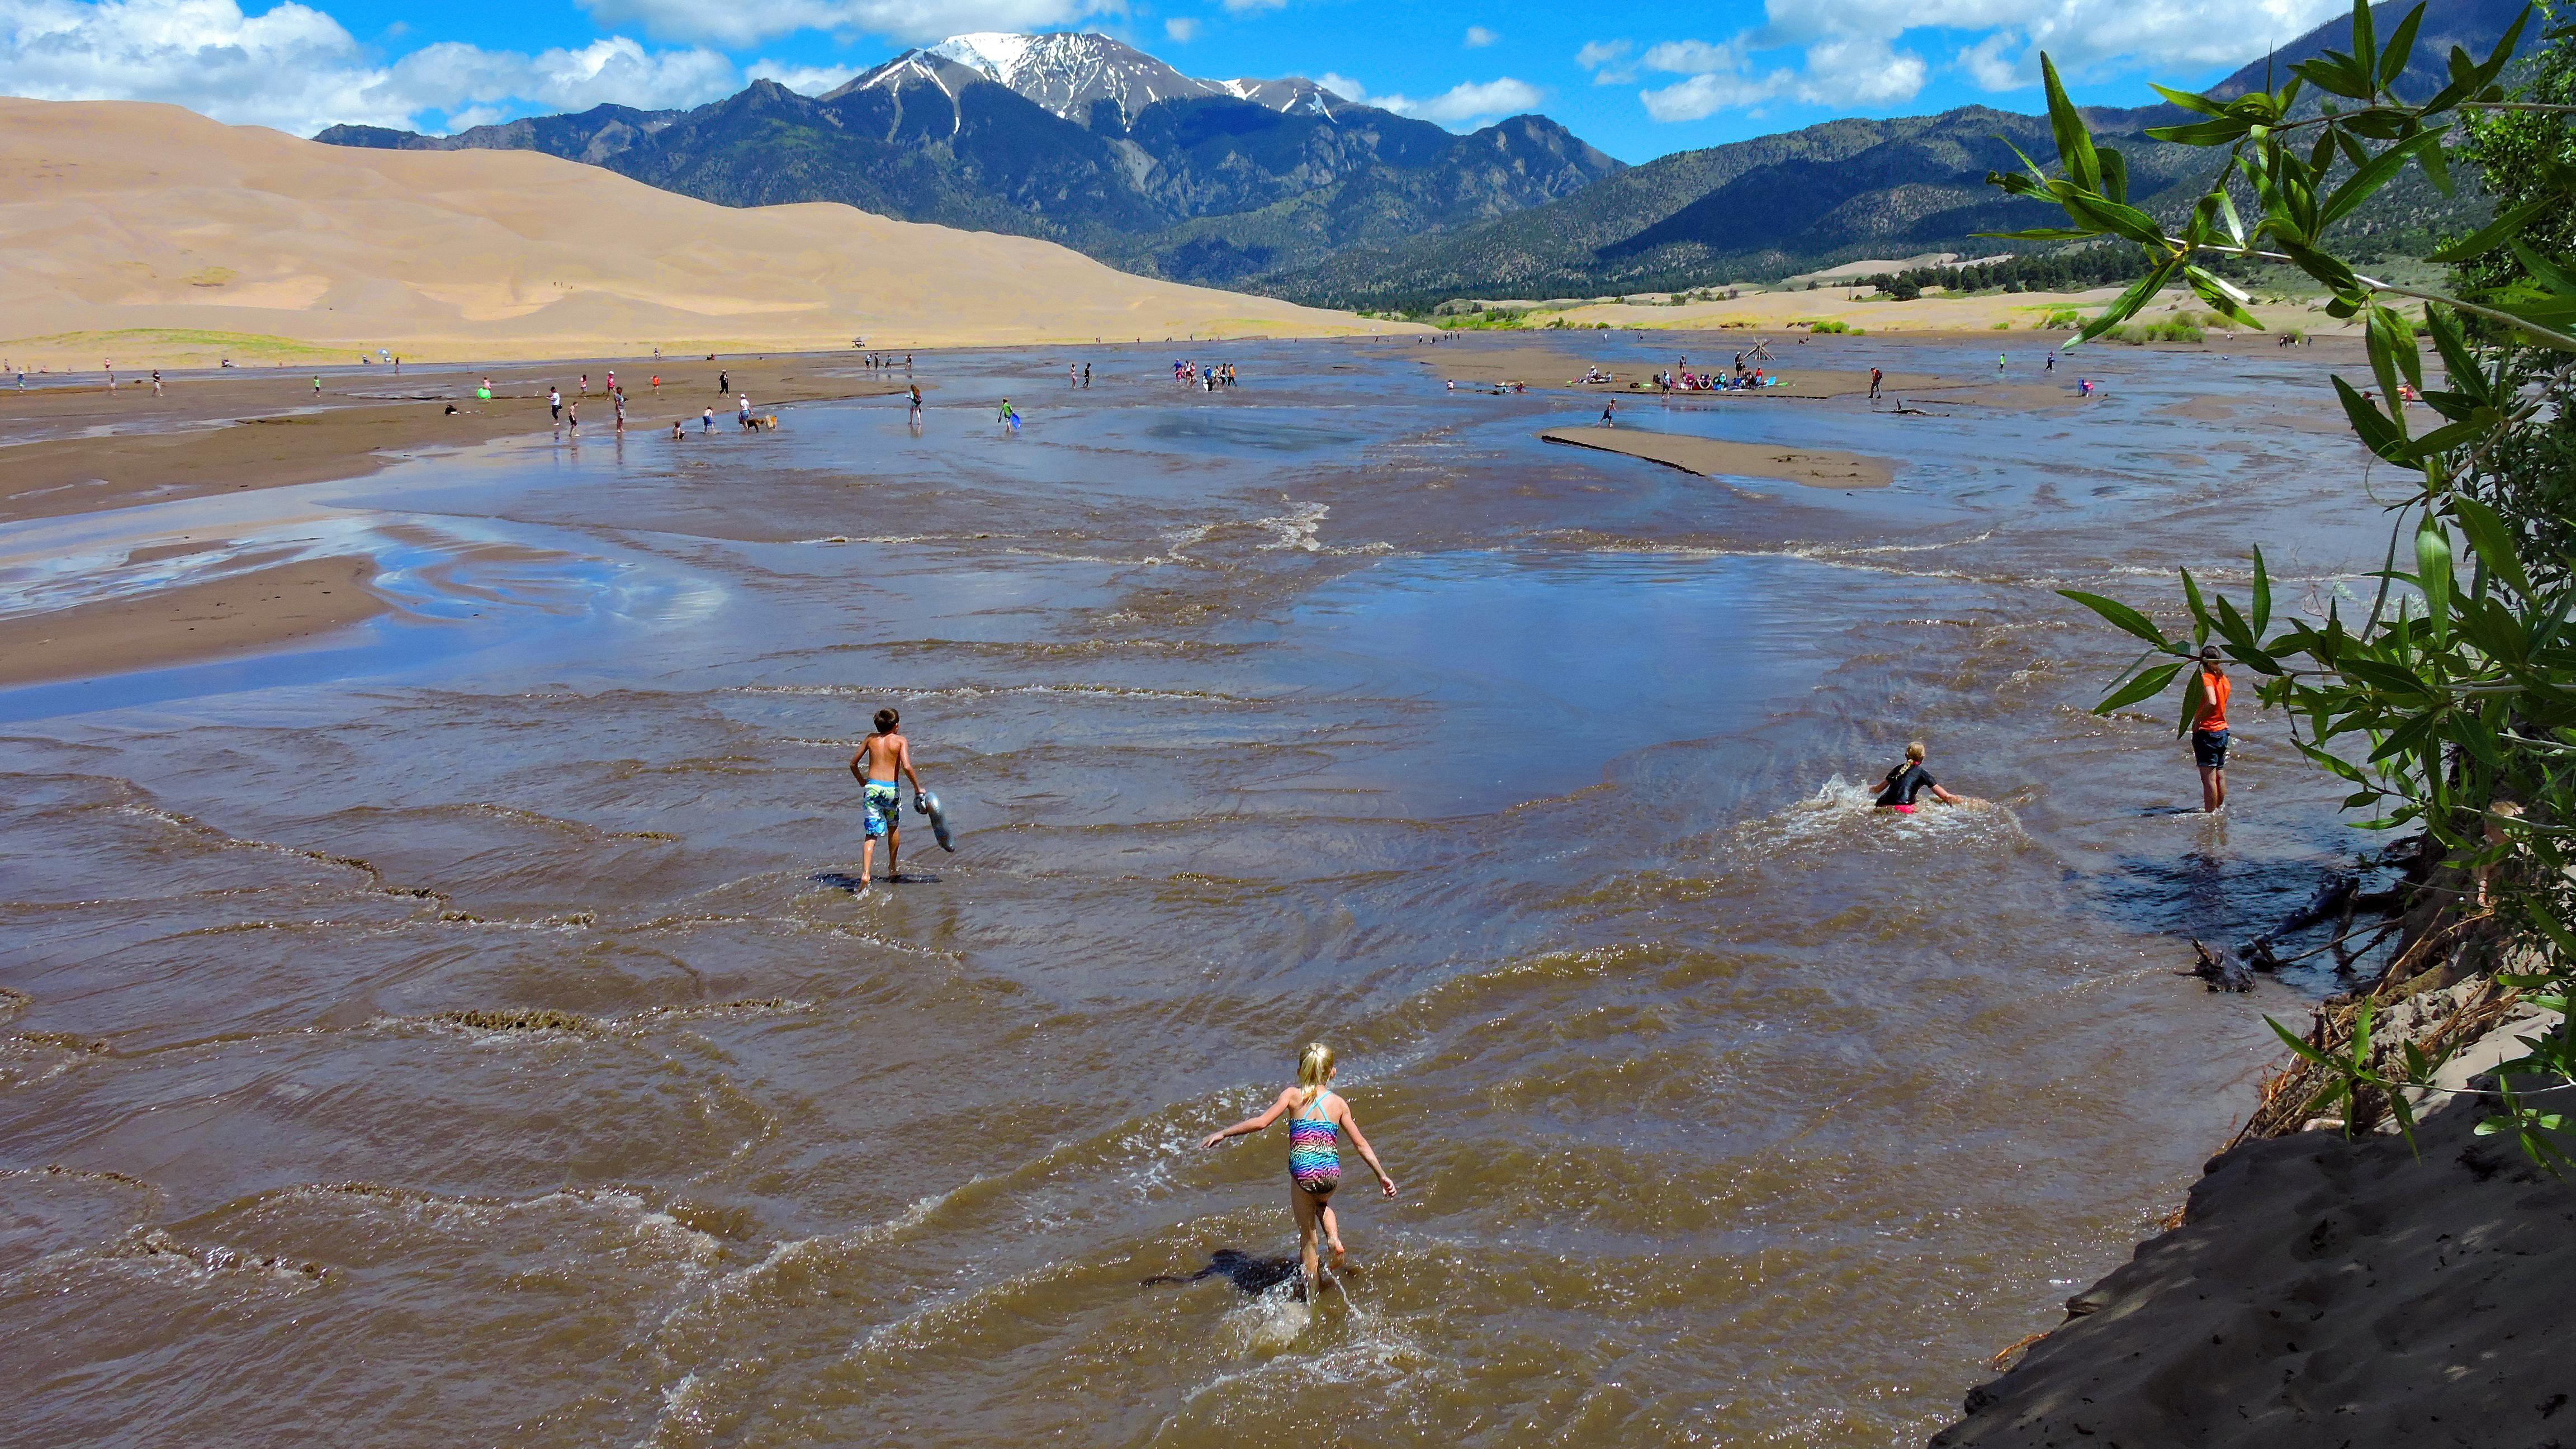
(2221, 969)
(2333, 897)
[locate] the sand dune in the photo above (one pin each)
(150, 220)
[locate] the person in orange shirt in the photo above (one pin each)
(2209, 730)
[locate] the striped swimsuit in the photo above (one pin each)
(1314, 1151)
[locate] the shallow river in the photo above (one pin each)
(1334, 707)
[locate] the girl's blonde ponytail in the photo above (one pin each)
(1314, 1065)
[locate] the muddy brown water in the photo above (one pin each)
(462, 1033)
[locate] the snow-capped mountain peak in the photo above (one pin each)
(999, 54)
(1069, 74)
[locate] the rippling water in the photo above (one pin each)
(457, 1034)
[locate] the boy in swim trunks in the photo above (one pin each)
(883, 761)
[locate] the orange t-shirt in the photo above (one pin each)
(2213, 701)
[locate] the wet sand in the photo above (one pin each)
(250, 612)
(1714, 458)
(245, 428)
(463, 1028)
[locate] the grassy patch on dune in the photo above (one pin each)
(164, 342)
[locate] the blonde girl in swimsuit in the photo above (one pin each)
(1317, 1117)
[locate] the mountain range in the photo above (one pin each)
(1077, 139)
(1285, 188)
(1845, 190)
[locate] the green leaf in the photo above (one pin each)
(2337, 277)
(2103, 214)
(2453, 344)
(2227, 212)
(2115, 174)
(2074, 142)
(2437, 164)
(2549, 273)
(2365, 44)
(2189, 101)
(2336, 74)
(2496, 233)
(2373, 174)
(2492, 540)
(2200, 624)
(2194, 699)
(2550, 927)
(2388, 678)
(2201, 133)
(2262, 593)
(2146, 685)
(2503, 53)
(2393, 346)
(2377, 433)
(2401, 49)
(2139, 294)
(2218, 292)
(2122, 616)
(2299, 1044)
(2433, 571)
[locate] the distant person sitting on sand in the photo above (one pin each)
(1907, 780)
(1317, 1118)
(883, 762)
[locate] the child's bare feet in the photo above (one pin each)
(1340, 1254)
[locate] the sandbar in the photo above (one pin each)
(258, 610)
(1713, 458)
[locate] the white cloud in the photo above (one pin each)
(731, 23)
(1850, 54)
(1182, 29)
(1343, 86)
(1986, 63)
(1606, 60)
(1478, 37)
(1470, 101)
(805, 80)
(1460, 105)
(297, 69)
(437, 77)
(1242, 7)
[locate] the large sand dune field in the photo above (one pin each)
(126, 226)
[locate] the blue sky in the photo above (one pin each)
(1636, 80)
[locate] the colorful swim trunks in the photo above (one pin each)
(885, 807)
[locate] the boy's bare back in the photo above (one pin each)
(883, 757)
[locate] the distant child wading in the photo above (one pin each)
(2209, 735)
